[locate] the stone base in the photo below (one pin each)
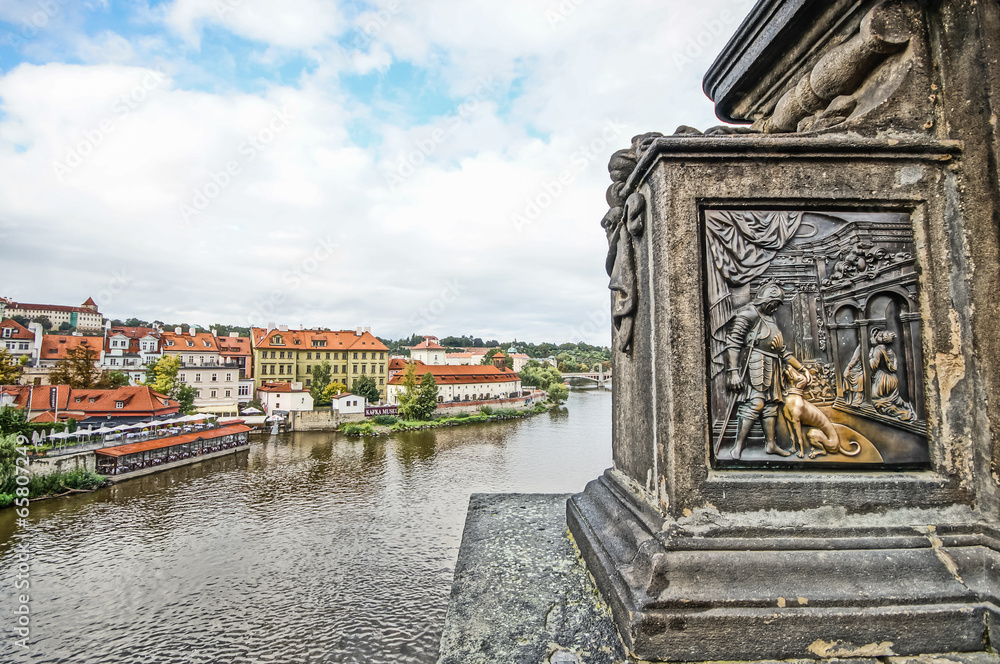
(711, 589)
(521, 594)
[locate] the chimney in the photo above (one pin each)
(193, 331)
(270, 325)
(360, 331)
(234, 334)
(368, 330)
(214, 332)
(178, 330)
(283, 328)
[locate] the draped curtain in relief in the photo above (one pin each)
(741, 246)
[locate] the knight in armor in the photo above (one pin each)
(755, 352)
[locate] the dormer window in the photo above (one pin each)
(190, 343)
(119, 404)
(277, 340)
(7, 332)
(169, 342)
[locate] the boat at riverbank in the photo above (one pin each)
(123, 462)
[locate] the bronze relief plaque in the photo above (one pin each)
(814, 347)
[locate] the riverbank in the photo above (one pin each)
(384, 425)
(51, 485)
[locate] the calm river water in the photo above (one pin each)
(308, 548)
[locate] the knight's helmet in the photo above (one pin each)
(769, 291)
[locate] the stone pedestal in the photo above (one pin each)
(806, 348)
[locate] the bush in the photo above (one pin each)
(6, 499)
(385, 420)
(462, 416)
(363, 429)
(486, 410)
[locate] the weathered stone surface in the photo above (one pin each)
(874, 107)
(521, 594)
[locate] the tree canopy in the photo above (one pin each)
(79, 370)
(417, 402)
(320, 382)
(364, 386)
(162, 377)
(10, 368)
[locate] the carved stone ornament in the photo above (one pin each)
(814, 352)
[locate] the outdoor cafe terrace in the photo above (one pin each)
(83, 440)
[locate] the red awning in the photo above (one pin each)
(159, 443)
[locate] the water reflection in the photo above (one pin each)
(309, 547)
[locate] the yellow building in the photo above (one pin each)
(284, 355)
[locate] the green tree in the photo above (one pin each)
(66, 326)
(10, 368)
(426, 401)
(407, 397)
(21, 320)
(8, 458)
(162, 377)
(490, 354)
(558, 392)
(44, 322)
(364, 386)
(320, 381)
(535, 375)
(79, 370)
(136, 322)
(185, 396)
(116, 379)
(332, 390)
(13, 421)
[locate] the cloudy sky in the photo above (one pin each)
(428, 166)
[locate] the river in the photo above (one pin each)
(309, 547)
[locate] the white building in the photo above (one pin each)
(130, 350)
(203, 367)
(19, 340)
(85, 318)
(463, 383)
(348, 404)
(429, 351)
(286, 397)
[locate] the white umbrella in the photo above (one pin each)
(59, 435)
(251, 411)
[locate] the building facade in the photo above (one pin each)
(19, 340)
(130, 350)
(204, 368)
(284, 355)
(463, 383)
(285, 397)
(85, 318)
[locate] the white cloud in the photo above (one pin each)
(307, 228)
(294, 24)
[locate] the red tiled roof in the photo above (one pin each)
(56, 346)
(134, 332)
(335, 340)
(278, 387)
(234, 345)
(427, 344)
(90, 302)
(20, 331)
(236, 426)
(397, 364)
(450, 375)
(136, 400)
(180, 342)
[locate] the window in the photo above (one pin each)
(281, 355)
(364, 356)
(274, 354)
(309, 356)
(328, 356)
(212, 394)
(309, 368)
(119, 404)
(355, 356)
(308, 382)
(336, 368)
(355, 367)
(215, 378)
(229, 377)
(272, 369)
(281, 369)
(7, 331)
(344, 370)
(381, 368)
(197, 378)
(364, 368)
(190, 359)
(190, 343)
(381, 381)
(277, 341)
(373, 368)
(182, 377)
(381, 356)
(244, 390)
